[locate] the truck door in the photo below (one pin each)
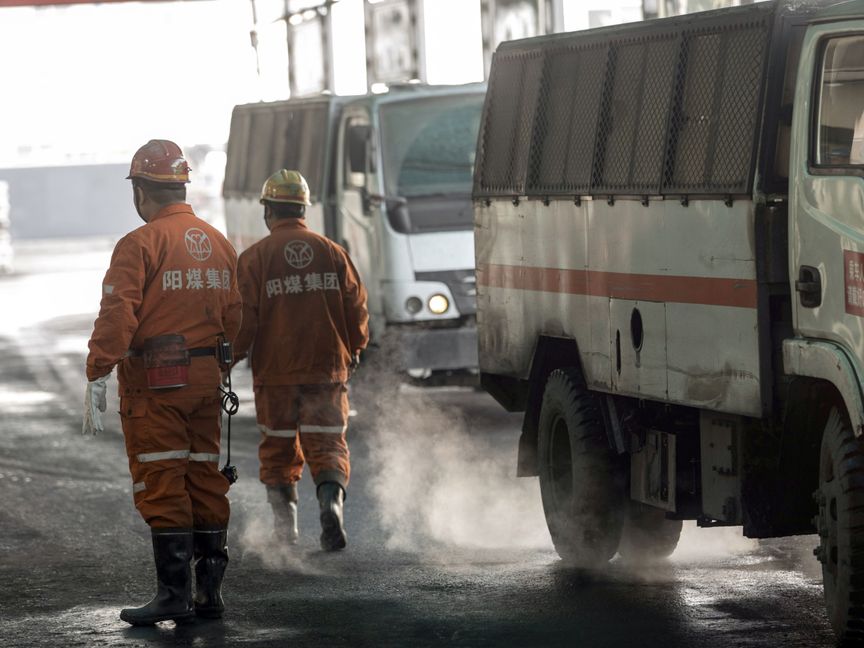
(827, 186)
(357, 228)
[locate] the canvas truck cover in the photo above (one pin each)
(294, 132)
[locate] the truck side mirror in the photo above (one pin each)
(397, 214)
(396, 207)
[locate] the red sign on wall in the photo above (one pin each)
(853, 262)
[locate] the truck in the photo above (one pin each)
(390, 176)
(669, 237)
(6, 250)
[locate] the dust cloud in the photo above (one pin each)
(444, 478)
(252, 532)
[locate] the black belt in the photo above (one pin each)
(197, 352)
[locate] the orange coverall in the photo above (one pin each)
(304, 316)
(174, 275)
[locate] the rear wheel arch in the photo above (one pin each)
(550, 353)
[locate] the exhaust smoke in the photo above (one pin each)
(443, 477)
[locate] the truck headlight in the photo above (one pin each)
(438, 304)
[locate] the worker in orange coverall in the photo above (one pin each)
(169, 296)
(305, 319)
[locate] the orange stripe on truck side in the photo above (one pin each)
(708, 291)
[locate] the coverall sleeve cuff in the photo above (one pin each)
(97, 372)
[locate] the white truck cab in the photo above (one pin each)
(391, 177)
(669, 235)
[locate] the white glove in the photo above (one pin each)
(94, 404)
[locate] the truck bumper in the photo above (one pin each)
(436, 349)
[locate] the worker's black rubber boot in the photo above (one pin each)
(283, 500)
(172, 551)
(211, 559)
(330, 500)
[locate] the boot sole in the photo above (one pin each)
(333, 538)
(177, 618)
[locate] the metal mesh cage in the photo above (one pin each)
(739, 107)
(670, 107)
(649, 147)
(633, 133)
(562, 160)
(508, 125)
(713, 131)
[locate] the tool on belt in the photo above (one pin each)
(167, 361)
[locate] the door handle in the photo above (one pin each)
(809, 286)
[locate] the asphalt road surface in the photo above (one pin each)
(446, 546)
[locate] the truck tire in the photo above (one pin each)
(581, 481)
(840, 523)
(647, 534)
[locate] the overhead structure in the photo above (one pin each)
(310, 51)
(46, 3)
(504, 20)
(395, 48)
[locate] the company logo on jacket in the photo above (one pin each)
(198, 244)
(298, 254)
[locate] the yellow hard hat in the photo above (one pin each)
(286, 186)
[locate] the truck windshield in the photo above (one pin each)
(428, 145)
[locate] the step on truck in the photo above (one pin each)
(390, 176)
(669, 234)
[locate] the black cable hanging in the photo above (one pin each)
(230, 405)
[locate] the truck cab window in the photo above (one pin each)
(840, 134)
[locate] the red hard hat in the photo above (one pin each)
(159, 161)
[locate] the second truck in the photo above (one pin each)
(390, 176)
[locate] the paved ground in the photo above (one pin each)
(446, 546)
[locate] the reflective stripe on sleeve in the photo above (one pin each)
(107, 289)
(285, 434)
(159, 456)
(138, 487)
(203, 456)
(324, 429)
